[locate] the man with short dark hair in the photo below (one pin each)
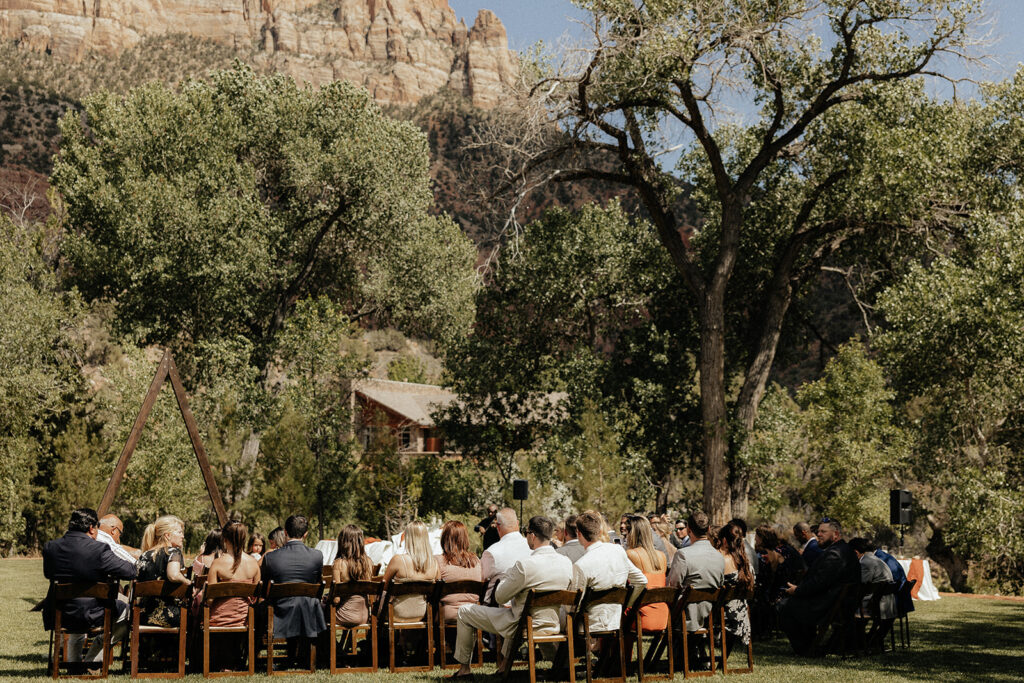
(699, 565)
(811, 601)
(873, 570)
(77, 557)
(542, 570)
(809, 548)
(679, 538)
(603, 566)
(299, 619)
(487, 528)
(571, 548)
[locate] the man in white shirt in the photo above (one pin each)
(109, 532)
(503, 555)
(571, 548)
(542, 570)
(603, 566)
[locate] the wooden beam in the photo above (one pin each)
(133, 437)
(197, 444)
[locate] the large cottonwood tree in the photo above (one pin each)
(834, 154)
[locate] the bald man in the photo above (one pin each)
(109, 532)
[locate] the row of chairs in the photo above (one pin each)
(382, 624)
(847, 629)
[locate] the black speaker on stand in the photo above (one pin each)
(901, 511)
(520, 492)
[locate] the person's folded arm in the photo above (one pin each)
(511, 585)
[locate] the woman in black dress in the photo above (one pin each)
(163, 561)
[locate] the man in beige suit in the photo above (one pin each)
(542, 570)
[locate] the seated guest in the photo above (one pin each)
(603, 566)
(110, 530)
(699, 565)
(276, 539)
(904, 601)
(679, 538)
(298, 619)
(236, 566)
(781, 564)
(351, 564)
(653, 563)
(457, 563)
(662, 531)
(873, 570)
(208, 553)
(809, 548)
(809, 602)
(748, 547)
(731, 542)
(487, 528)
(543, 570)
(163, 562)
(509, 549)
(256, 545)
(571, 548)
(417, 563)
(77, 558)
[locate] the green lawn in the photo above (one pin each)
(954, 639)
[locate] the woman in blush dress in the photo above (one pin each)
(211, 550)
(351, 564)
(233, 565)
(457, 563)
(416, 564)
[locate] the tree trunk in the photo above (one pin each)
(713, 410)
(947, 558)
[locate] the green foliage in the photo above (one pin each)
(406, 367)
(835, 450)
(387, 486)
(206, 212)
(38, 372)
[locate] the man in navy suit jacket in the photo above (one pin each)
(295, 562)
(810, 550)
(904, 603)
(78, 557)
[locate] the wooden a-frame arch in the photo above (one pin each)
(167, 369)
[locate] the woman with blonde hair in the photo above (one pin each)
(162, 561)
(457, 563)
(351, 564)
(653, 563)
(416, 564)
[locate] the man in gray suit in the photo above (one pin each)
(699, 565)
(572, 548)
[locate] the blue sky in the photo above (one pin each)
(528, 21)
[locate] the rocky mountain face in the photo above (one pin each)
(399, 50)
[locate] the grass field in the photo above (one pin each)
(953, 639)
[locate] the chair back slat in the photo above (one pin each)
(368, 588)
(411, 588)
(653, 596)
(168, 590)
(611, 596)
(276, 591)
(694, 596)
(70, 591)
(539, 599)
(229, 589)
(327, 572)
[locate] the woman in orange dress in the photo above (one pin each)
(653, 564)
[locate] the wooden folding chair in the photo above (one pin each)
(168, 591)
(61, 594)
(231, 589)
(327, 574)
(339, 593)
(730, 594)
(396, 589)
(879, 628)
(539, 600)
(903, 618)
(591, 599)
(447, 588)
(693, 597)
(653, 596)
(838, 620)
(278, 591)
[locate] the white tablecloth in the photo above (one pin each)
(927, 590)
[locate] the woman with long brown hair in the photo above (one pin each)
(351, 564)
(457, 563)
(739, 574)
(234, 565)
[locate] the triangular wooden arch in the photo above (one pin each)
(166, 369)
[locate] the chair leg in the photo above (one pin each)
(270, 641)
(182, 629)
(252, 641)
(135, 642)
(206, 642)
(530, 655)
(721, 630)
(586, 647)
(569, 631)
(373, 641)
(430, 638)
(622, 654)
(639, 651)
